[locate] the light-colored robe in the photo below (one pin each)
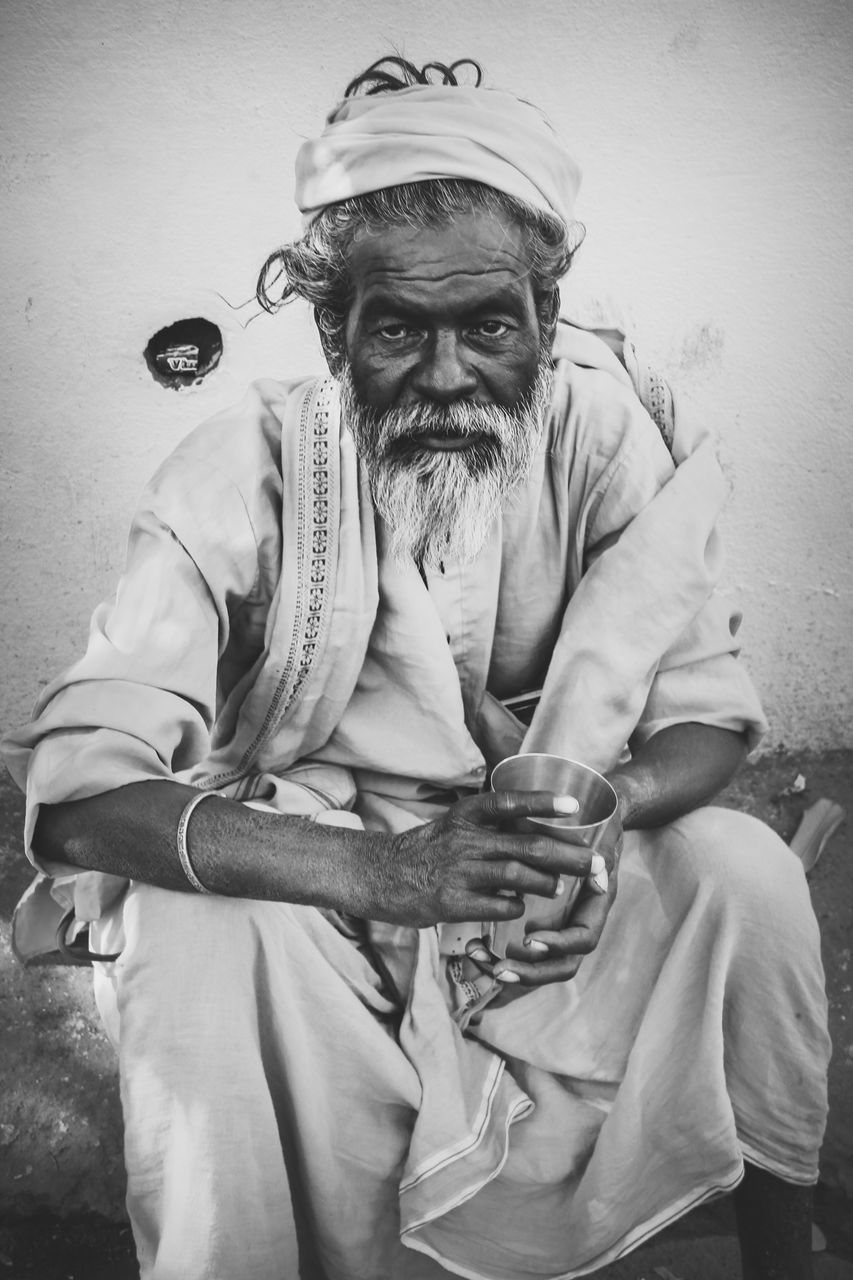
(554, 1132)
(251, 606)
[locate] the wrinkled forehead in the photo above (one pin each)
(479, 255)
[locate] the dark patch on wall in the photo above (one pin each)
(184, 353)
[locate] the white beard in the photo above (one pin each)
(440, 505)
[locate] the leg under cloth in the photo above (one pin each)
(263, 1091)
(695, 1037)
(270, 1106)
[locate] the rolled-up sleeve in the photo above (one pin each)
(701, 680)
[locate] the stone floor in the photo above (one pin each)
(61, 1173)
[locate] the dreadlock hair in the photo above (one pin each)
(316, 267)
(379, 79)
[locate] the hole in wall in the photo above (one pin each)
(184, 353)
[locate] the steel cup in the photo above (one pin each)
(598, 807)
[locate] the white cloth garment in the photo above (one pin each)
(299, 1084)
(282, 1102)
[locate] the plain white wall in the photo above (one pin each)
(146, 169)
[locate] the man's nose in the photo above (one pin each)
(444, 372)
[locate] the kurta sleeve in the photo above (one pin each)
(701, 680)
(698, 678)
(141, 703)
(644, 639)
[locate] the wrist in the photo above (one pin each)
(348, 866)
(629, 793)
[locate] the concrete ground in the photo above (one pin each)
(61, 1172)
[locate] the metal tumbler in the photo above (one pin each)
(598, 806)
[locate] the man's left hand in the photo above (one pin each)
(555, 955)
(672, 773)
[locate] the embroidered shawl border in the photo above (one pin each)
(315, 543)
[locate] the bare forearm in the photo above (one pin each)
(468, 864)
(679, 769)
(236, 851)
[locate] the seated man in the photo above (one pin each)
(281, 736)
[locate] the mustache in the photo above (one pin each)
(402, 440)
(458, 419)
(400, 431)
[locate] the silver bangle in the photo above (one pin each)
(183, 851)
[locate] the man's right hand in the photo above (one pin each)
(470, 864)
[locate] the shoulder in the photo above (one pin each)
(220, 491)
(604, 446)
(600, 416)
(238, 447)
(234, 456)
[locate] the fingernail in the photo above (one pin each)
(479, 953)
(561, 887)
(598, 882)
(535, 945)
(565, 804)
(507, 975)
(598, 864)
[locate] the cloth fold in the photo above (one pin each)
(659, 1066)
(283, 609)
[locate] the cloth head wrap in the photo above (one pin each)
(437, 131)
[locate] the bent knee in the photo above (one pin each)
(735, 840)
(740, 858)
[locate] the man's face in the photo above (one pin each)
(445, 382)
(443, 315)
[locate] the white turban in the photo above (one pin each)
(437, 131)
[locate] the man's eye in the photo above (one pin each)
(395, 332)
(492, 329)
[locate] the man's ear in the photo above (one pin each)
(331, 347)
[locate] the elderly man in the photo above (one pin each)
(281, 737)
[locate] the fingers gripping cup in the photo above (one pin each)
(597, 801)
(598, 806)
